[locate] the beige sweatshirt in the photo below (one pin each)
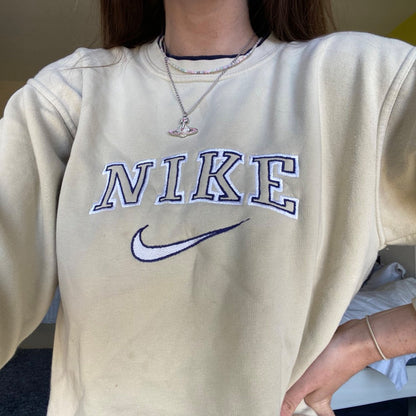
(201, 275)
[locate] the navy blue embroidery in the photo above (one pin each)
(268, 183)
(173, 174)
(214, 183)
(130, 190)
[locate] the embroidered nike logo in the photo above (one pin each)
(148, 253)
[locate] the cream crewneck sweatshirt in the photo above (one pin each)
(201, 276)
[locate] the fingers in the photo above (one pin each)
(288, 407)
(291, 402)
(322, 408)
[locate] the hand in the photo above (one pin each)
(349, 351)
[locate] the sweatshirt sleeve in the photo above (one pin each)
(397, 187)
(36, 135)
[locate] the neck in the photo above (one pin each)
(206, 27)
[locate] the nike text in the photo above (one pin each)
(215, 181)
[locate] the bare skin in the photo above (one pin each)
(207, 27)
(350, 350)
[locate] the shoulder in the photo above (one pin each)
(67, 78)
(82, 61)
(356, 50)
(362, 43)
(349, 54)
(83, 58)
(361, 60)
(63, 82)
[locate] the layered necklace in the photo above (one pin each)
(184, 129)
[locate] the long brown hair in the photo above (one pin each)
(134, 22)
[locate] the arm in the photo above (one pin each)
(34, 146)
(350, 350)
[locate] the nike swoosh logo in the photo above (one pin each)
(147, 253)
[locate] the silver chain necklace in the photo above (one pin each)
(236, 61)
(183, 129)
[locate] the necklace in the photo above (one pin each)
(237, 60)
(183, 129)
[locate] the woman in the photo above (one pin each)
(211, 201)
